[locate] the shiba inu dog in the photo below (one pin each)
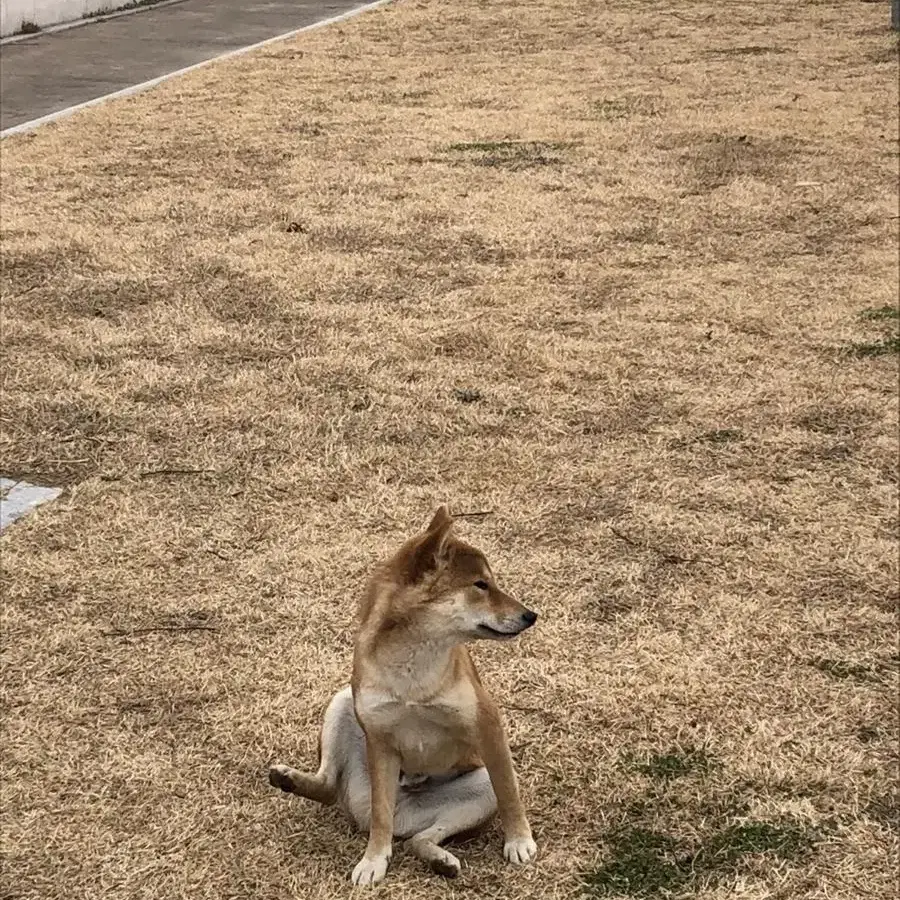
(415, 748)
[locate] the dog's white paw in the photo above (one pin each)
(370, 871)
(520, 850)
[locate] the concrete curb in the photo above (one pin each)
(88, 20)
(17, 498)
(24, 127)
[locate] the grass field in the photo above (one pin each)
(628, 279)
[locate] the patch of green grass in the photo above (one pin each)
(615, 108)
(509, 154)
(888, 343)
(881, 313)
(415, 95)
(881, 347)
(839, 668)
(721, 436)
(505, 146)
(645, 863)
(752, 50)
(641, 863)
(676, 763)
(611, 109)
(787, 840)
(716, 437)
(467, 395)
(866, 734)
(649, 855)
(885, 810)
(794, 788)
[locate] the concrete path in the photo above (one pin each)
(19, 497)
(50, 72)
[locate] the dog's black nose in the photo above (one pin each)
(529, 617)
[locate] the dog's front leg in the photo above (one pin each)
(384, 774)
(519, 846)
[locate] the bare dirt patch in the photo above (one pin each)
(628, 280)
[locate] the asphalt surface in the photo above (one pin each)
(53, 71)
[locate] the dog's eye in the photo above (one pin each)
(481, 585)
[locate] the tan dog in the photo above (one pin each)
(415, 748)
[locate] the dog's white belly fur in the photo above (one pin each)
(426, 735)
(421, 800)
(425, 749)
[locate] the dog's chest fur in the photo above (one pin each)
(431, 726)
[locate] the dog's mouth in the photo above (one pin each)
(495, 634)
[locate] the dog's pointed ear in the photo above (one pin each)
(440, 519)
(432, 548)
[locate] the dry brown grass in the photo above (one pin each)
(653, 290)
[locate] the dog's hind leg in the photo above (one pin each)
(323, 786)
(429, 816)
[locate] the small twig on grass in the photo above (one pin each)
(217, 553)
(521, 708)
(668, 557)
(690, 20)
(264, 357)
(27, 290)
(628, 540)
(153, 472)
(475, 514)
(125, 632)
(537, 710)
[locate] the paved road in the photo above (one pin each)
(50, 72)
